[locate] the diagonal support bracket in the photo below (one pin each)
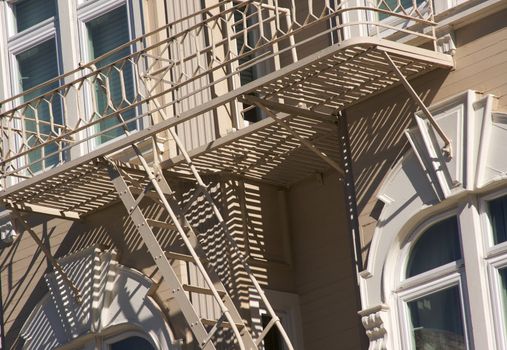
(447, 149)
(56, 265)
(284, 124)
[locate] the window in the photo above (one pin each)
(247, 23)
(132, 342)
(33, 55)
(498, 218)
(432, 309)
(33, 48)
(400, 6)
(36, 66)
(124, 340)
(115, 87)
(495, 218)
(437, 269)
(31, 12)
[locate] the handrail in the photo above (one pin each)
(91, 64)
(90, 108)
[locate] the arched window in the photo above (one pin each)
(131, 342)
(430, 295)
(443, 285)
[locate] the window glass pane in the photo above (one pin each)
(437, 321)
(503, 281)
(132, 343)
(106, 33)
(31, 12)
(36, 66)
(248, 16)
(437, 246)
(396, 6)
(498, 218)
(273, 340)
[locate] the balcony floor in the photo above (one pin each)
(328, 81)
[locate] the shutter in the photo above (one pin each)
(31, 12)
(106, 33)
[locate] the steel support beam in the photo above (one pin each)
(302, 140)
(447, 142)
(289, 109)
(56, 265)
(40, 209)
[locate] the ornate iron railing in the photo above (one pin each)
(206, 54)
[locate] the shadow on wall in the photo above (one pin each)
(377, 140)
(243, 206)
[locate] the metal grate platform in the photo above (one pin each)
(325, 82)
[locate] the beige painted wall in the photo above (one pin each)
(325, 277)
(23, 265)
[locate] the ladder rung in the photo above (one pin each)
(184, 257)
(161, 224)
(201, 290)
(208, 322)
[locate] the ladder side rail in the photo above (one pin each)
(234, 244)
(183, 234)
(222, 223)
(158, 254)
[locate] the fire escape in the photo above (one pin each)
(92, 142)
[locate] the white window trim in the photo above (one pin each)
(491, 249)
(428, 282)
(403, 298)
(400, 267)
(494, 266)
(86, 12)
(286, 306)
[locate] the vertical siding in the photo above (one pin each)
(323, 263)
(200, 130)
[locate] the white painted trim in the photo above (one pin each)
(286, 306)
(481, 324)
(413, 205)
(91, 10)
(499, 319)
(448, 281)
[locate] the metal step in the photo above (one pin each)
(161, 224)
(225, 324)
(202, 290)
(172, 255)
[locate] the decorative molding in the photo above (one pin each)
(112, 295)
(424, 178)
(374, 322)
(445, 44)
(8, 233)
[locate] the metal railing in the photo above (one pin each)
(208, 53)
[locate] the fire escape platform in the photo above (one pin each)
(306, 95)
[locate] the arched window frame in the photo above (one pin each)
(432, 281)
(495, 257)
(425, 184)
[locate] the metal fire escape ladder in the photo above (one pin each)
(230, 316)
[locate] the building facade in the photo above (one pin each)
(229, 174)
